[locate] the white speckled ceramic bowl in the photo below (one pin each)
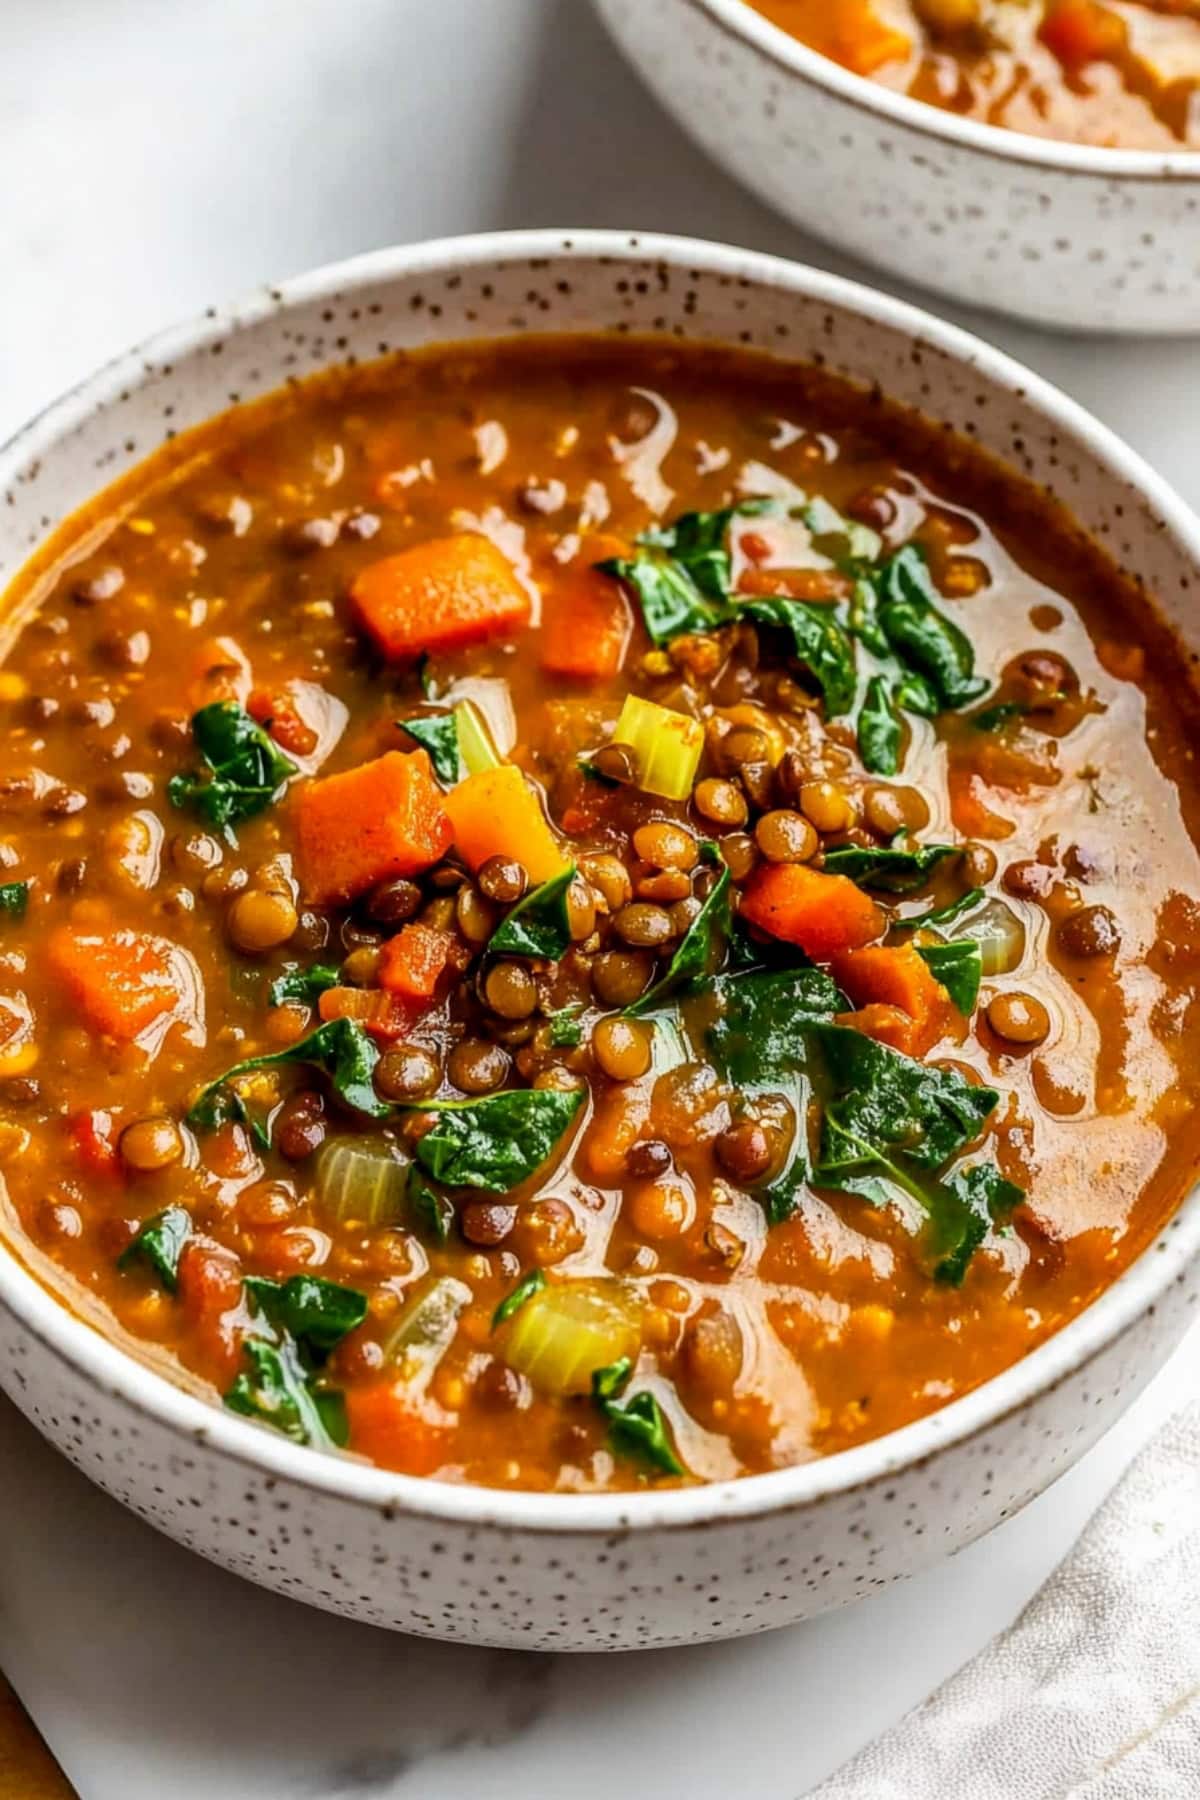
(606, 1571)
(1063, 234)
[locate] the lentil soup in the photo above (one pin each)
(1116, 74)
(589, 914)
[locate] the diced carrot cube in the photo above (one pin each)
(387, 1427)
(439, 595)
(900, 1001)
(93, 1138)
(121, 981)
(497, 813)
(412, 963)
(370, 824)
(586, 626)
(821, 913)
(384, 1015)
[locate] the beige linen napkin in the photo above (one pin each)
(1094, 1693)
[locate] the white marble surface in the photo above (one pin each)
(157, 155)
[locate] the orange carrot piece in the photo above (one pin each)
(370, 824)
(438, 595)
(93, 1138)
(821, 913)
(864, 42)
(497, 813)
(586, 627)
(1079, 32)
(383, 1015)
(121, 981)
(387, 1427)
(897, 994)
(412, 963)
(969, 809)
(277, 712)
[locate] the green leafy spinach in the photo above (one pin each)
(159, 1244)
(636, 1425)
(958, 965)
(496, 1142)
(699, 949)
(438, 733)
(894, 870)
(14, 898)
(526, 1288)
(538, 925)
(340, 1048)
(244, 769)
(305, 985)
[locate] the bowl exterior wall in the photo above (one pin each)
(492, 1583)
(198, 1474)
(1078, 251)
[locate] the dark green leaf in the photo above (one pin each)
(709, 851)
(14, 898)
(438, 733)
(757, 1036)
(781, 1201)
(702, 945)
(883, 866)
(495, 1142)
(681, 573)
(895, 1103)
(318, 1314)
(306, 985)
(244, 768)
(878, 730)
(637, 1425)
(274, 1388)
(916, 695)
(959, 967)
(340, 1047)
(985, 1199)
(863, 620)
(921, 633)
(818, 641)
(538, 925)
(433, 1210)
(159, 1244)
(526, 1288)
(941, 915)
(566, 1032)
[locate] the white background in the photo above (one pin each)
(160, 154)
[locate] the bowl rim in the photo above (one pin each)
(145, 1392)
(739, 19)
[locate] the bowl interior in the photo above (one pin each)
(549, 282)
(742, 21)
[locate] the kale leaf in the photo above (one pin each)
(699, 949)
(894, 870)
(14, 898)
(245, 770)
(921, 634)
(879, 729)
(958, 965)
(529, 1285)
(340, 1047)
(818, 640)
(159, 1244)
(306, 985)
(538, 925)
(636, 1425)
(495, 1142)
(438, 733)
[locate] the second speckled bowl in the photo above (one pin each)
(1063, 234)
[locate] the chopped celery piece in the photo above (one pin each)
(564, 1332)
(360, 1183)
(665, 744)
(475, 745)
(425, 1330)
